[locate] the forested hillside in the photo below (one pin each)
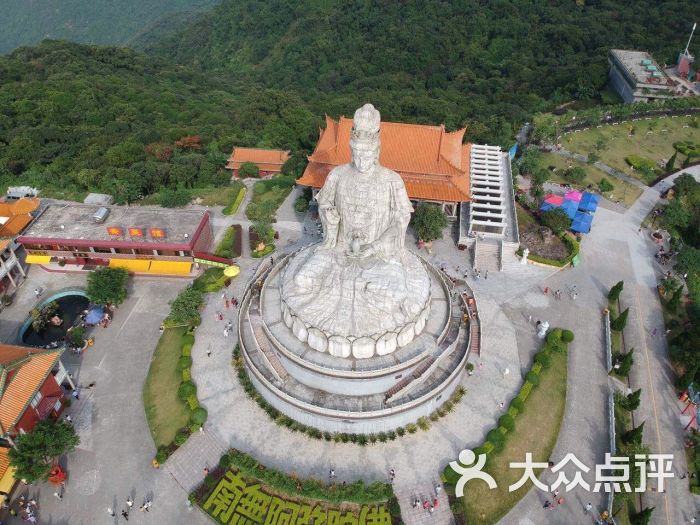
(76, 118)
(27, 22)
(487, 65)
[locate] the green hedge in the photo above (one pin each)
(571, 243)
(357, 492)
(230, 246)
(233, 207)
(496, 438)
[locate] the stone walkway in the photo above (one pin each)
(187, 464)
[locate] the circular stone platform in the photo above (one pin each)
(365, 395)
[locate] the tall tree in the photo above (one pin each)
(107, 285)
(618, 324)
(634, 435)
(429, 221)
(36, 451)
(616, 290)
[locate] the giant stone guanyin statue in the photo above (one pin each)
(359, 292)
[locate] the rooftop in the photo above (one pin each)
(14, 216)
(22, 372)
(433, 162)
(641, 66)
(75, 222)
(259, 157)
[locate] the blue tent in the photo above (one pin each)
(94, 315)
(546, 206)
(581, 223)
(589, 202)
(569, 208)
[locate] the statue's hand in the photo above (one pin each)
(332, 215)
(366, 250)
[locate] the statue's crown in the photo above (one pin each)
(365, 124)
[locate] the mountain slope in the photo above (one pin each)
(486, 64)
(26, 22)
(75, 118)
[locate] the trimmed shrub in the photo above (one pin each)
(186, 374)
(186, 390)
(224, 462)
(543, 358)
(181, 436)
(188, 339)
(193, 402)
(506, 421)
(187, 349)
(518, 404)
(495, 436)
(567, 336)
(199, 416)
(525, 390)
(533, 378)
(554, 336)
(162, 454)
(411, 428)
(184, 362)
(423, 423)
(401, 431)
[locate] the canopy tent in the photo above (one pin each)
(547, 206)
(589, 202)
(570, 208)
(94, 315)
(581, 223)
(555, 200)
(573, 196)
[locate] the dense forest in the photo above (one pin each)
(75, 118)
(484, 65)
(27, 22)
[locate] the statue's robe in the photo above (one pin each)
(351, 296)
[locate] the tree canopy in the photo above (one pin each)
(429, 221)
(556, 220)
(35, 451)
(107, 285)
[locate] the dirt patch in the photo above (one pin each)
(543, 243)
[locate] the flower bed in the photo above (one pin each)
(571, 243)
(242, 487)
(230, 246)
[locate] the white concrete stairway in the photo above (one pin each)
(487, 255)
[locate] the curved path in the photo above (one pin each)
(613, 251)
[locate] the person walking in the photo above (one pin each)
(129, 502)
(506, 372)
(147, 505)
(546, 290)
(209, 351)
(125, 515)
(588, 508)
(59, 497)
(693, 520)
(110, 511)
(486, 274)
(226, 331)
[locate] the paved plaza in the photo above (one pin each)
(113, 461)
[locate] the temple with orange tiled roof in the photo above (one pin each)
(268, 161)
(29, 391)
(433, 163)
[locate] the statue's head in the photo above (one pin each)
(364, 139)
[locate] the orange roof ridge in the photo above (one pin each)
(22, 388)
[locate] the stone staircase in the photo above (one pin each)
(487, 255)
(202, 450)
(263, 341)
(417, 372)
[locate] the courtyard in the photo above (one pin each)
(113, 461)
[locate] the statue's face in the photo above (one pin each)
(365, 156)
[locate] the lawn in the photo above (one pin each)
(267, 197)
(623, 192)
(230, 245)
(613, 143)
(164, 411)
(211, 196)
(536, 430)
(615, 336)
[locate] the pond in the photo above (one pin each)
(70, 306)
